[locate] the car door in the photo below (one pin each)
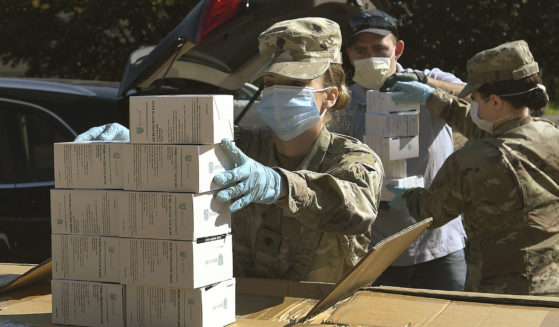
(27, 134)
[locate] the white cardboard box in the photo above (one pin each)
(181, 307)
(87, 303)
(411, 181)
(176, 216)
(392, 125)
(173, 168)
(181, 119)
(381, 102)
(395, 168)
(88, 165)
(184, 264)
(86, 212)
(82, 257)
(393, 148)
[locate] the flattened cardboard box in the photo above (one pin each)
(381, 103)
(395, 168)
(181, 119)
(85, 212)
(393, 148)
(173, 168)
(87, 303)
(88, 165)
(399, 124)
(174, 216)
(213, 305)
(183, 264)
(408, 182)
(268, 302)
(85, 257)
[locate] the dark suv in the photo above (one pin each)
(213, 50)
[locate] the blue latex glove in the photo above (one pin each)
(108, 132)
(414, 92)
(398, 203)
(253, 182)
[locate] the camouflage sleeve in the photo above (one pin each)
(444, 199)
(455, 112)
(343, 200)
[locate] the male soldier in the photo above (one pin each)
(435, 260)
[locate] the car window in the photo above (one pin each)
(27, 137)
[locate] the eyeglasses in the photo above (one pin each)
(359, 23)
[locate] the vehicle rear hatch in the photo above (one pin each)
(217, 42)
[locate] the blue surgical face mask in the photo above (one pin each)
(289, 110)
(483, 124)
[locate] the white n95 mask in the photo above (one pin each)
(372, 72)
(289, 110)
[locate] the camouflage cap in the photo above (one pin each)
(301, 48)
(508, 61)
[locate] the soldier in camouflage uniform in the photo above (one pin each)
(504, 181)
(308, 217)
(317, 228)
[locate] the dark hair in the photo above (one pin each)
(535, 99)
(335, 76)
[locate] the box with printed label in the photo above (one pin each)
(392, 125)
(184, 264)
(395, 168)
(85, 212)
(173, 168)
(82, 257)
(381, 102)
(181, 119)
(87, 303)
(176, 216)
(408, 182)
(393, 148)
(88, 165)
(213, 305)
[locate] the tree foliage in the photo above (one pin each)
(83, 39)
(92, 39)
(446, 34)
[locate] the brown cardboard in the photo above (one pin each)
(370, 267)
(274, 303)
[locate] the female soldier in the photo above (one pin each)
(504, 180)
(308, 217)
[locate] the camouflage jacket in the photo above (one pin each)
(506, 187)
(321, 229)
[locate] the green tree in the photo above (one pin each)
(83, 39)
(446, 34)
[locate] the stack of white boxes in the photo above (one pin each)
(392, 131)
(137, 223)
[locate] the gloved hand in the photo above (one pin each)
(402, 77)
(108, 132)
(253, 181)
(398, 203)
(414, 92)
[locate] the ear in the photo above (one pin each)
(331, 98)
(496, 102)
(348, 53)
(399, 49)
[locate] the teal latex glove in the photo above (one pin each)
(108, 132)
(402, 77)
(398, 203)
(414, 92)
(250, 180)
